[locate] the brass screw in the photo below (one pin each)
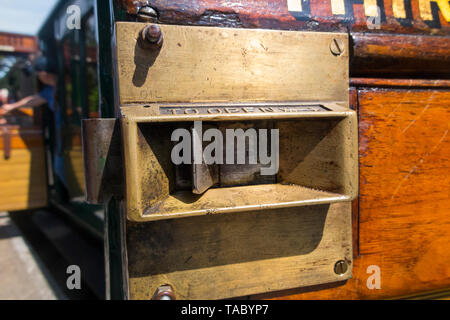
(152, 33)
(148, 14)
(337, 47)
(164, 292)
(340, 267)
(151, 37)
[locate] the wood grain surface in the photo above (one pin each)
(404, 204)
(415, 16)
(399, 83)
(409, 56)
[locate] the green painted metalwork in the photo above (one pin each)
(83, 91)
(59, 141)
(87, 216)
(105, 24)
(113, 247)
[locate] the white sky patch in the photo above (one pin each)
(24, 16)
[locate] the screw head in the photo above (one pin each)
(148, 14)
(152, 33)
(151, 37)
(164, 292)
(340, 267)
(337, 46)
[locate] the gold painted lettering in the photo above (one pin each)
(370, 8)
(294, 5)
(425, 9)
(398, 8)
(337, 6)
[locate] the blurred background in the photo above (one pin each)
(48, 83)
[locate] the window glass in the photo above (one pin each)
(91, 67)
(71, 77)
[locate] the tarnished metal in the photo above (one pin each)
(225, 64)
(337, 47)
(151, 37)
(102, 159)
(204, 176)
(164, 293)
(238, 80)
(382, 30)
(319, 166)
(340, 267)
(147, 14)
(209, 74)
(227, 256)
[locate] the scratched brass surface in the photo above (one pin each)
(318, 164)
(252, 238)
(233, 255)
(198, 64)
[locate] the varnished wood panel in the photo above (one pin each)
(412, 16)
(405, 158)
(394, 55)
(400, 83)
(404, 205)
(401, 47)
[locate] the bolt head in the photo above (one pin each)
(148, 11)
(153, 33)
(164, 292)
(147, 14)
(151, 37)
(341, 267)
(337, 46)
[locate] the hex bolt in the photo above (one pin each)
(147, 14)
(151, 37)
(337, 47)
(340, 267)
(164, 292)
(153, 33)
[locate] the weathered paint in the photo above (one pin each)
(398, 16)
